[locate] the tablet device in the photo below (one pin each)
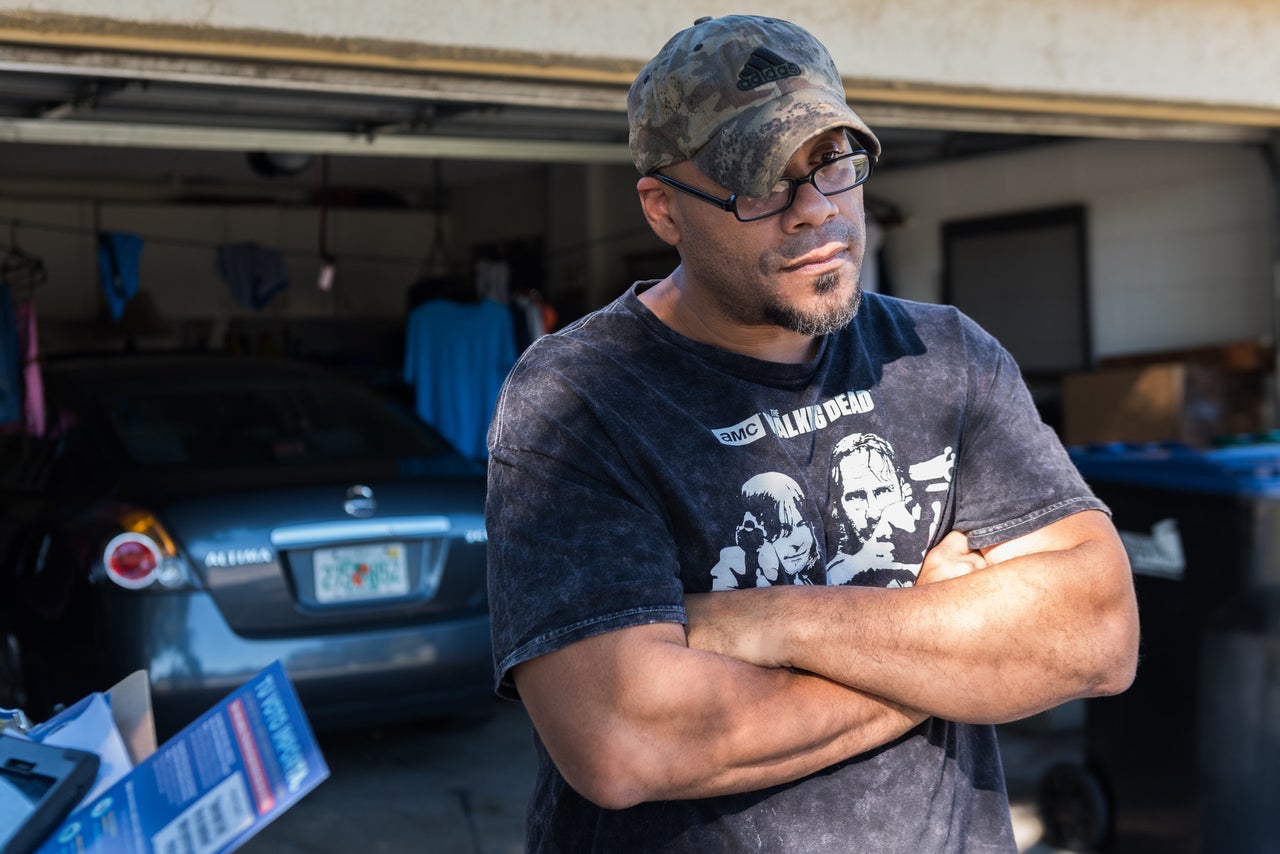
(39, 786)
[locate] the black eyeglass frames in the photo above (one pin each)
(837, 175)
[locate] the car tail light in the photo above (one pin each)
(144, 554)
(132, 560)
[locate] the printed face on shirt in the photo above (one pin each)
(795, 547)
(775, 543)
(868, 485)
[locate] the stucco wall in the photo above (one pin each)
(1219, 53)
(1179, 234)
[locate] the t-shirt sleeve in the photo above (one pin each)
(1013, 474)
(576, 546)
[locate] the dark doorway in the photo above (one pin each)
(1024, 278)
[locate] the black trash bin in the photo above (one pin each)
(1187, 760)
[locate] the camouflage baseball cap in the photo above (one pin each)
(737, 95)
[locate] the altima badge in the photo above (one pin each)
(360, 502)
(236, 557)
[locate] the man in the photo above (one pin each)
(795, 717)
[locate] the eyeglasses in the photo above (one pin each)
(837, 175)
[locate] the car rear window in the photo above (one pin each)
(248, 423)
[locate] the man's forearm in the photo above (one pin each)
(658, 721)
(1020, 636)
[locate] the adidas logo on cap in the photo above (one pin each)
(765, 66)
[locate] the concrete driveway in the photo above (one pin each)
(455, 787)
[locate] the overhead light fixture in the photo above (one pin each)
(279, 164)
(328, 270)
(328, 264)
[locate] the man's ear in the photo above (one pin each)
(655, 202)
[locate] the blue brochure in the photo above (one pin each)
(212, 786)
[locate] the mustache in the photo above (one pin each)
(806, 241)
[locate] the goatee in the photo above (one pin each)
(822, 321)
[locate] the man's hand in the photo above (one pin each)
(950, 558)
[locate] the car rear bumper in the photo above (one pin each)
(343, 679)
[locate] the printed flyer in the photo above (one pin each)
(212, 786)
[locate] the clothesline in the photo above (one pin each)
(196, 243)
(310, 253)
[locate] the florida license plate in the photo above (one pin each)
(360, 573)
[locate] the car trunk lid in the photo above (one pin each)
(337, 556)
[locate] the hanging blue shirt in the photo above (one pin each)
(118, 264)
(456, 357)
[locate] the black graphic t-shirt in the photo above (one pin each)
(629, 465)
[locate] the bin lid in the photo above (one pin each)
(1250, 470)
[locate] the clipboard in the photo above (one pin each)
(39, 786)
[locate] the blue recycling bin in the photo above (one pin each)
(1188, 759)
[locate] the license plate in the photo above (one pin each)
(360, 573)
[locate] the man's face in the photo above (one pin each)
(797, 270)
(868, 485)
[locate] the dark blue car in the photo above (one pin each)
(198, 517)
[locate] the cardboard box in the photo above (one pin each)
(1170, 402)
(1250, 356)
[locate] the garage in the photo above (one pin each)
(359, 168)
(352, 177)
(383, 189)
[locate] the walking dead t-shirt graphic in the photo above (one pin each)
(878, 521)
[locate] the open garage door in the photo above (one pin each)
(396, 167)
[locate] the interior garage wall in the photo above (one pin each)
(586, 218)
(508, 207)
(182, 300)
(594, 227)
(1179, 246)
(1178, 234)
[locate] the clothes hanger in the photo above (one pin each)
(437, 278)
(21, 270)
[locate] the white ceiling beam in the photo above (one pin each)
(248, 139)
